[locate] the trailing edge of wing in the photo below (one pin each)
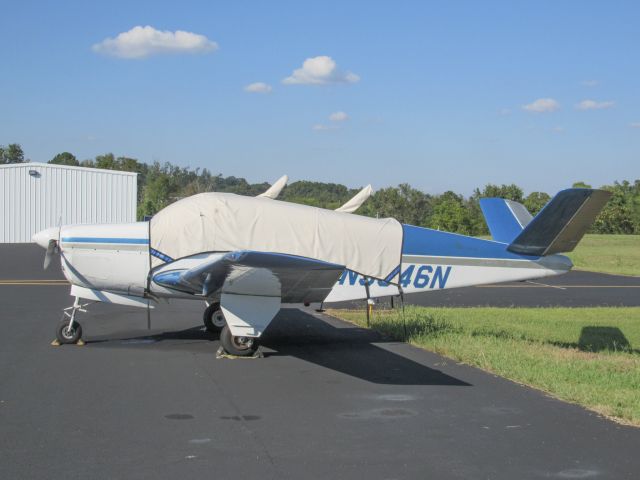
(562, 223)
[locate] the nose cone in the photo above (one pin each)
(43, 236)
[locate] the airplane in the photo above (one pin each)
(246, 256)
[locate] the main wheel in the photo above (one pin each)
(238, 346)
(67, 335)
(213, 318)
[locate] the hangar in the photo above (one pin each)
(35, 196)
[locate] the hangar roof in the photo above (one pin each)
(65, 167)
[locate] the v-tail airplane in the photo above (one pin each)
(243, 257)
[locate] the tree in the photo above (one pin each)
(617, 216)
(65, 158)
(510, 192)
(156, 195)
(535, 201)
(11, 154)
(450, 215)
(581, 185)
(106, 161)
(406, 204)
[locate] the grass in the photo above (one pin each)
(587, 356)
(608, 253)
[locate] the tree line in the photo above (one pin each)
(160, 184)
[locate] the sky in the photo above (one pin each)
(447, 95)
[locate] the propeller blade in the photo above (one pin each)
(52, 248)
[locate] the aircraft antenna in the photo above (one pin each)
(369, 303)
(404, 320)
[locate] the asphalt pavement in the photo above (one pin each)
(329, 400)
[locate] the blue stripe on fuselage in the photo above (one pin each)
(136, 241)
(434, 243)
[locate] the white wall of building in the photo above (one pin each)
(57, 194)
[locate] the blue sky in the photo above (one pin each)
(442, 95)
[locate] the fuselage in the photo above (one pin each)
(116, 258)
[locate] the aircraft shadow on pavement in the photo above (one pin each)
(293, 333)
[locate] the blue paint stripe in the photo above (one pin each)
(424, 241)
(160, 255)
(135, 241)
(392, 274)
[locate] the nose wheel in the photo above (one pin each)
(66, 334)
(240, 346)
(70, 331)
(213, 318)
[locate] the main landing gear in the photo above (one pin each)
(215, 322)
(70, 331)
(213, 318)
(239, 346)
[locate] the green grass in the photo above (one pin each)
(589, 356)
(608, 254)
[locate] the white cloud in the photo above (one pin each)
(258, 87)
(593, 105)
(504, 111)
(338, 117)
(590, 83)
(635, 125)
(319, 127)
(542, 105)
(320, 71)
(140, 42)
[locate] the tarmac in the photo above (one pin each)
(328, 400)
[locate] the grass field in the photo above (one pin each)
(608, 254)
(588, 356)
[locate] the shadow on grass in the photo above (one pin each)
(413, 326)
(600, 339)
(592, 338)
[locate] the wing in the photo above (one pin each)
(294, 279)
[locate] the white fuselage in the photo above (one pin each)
(111, 257)
(115, 258)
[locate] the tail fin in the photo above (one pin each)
(562, 223)
(505, 218)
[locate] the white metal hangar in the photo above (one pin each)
(35, 196)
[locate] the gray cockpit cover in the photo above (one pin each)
(222, 222)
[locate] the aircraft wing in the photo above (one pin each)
(248, 272)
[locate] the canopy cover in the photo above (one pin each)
(224, 222)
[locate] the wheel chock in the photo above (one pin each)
(220, 353)
(56, 343)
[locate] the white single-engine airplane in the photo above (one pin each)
(245, 256)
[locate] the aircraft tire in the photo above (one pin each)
(213, 318)
(64, 336)
(238, 346)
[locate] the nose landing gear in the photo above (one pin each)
(70, 331)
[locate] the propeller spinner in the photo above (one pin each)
(48, 239)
